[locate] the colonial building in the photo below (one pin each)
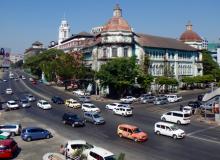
(36, 48)
(193, 39)
(117, 39)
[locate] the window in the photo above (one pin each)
(169, 113)
(104, 53)
(162, 126)
(125, 52)
(177, 115)
(114, 52)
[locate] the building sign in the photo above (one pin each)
(5, 57)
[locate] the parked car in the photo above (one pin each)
(187, 110)
(173, 98)
(12, 105)
(123, 111)
(34, 133)
(8, 148)
(80, 93)
(131, 132)
(43, 104)
(176, 117)
(84, 99)
(12, 128)
(128, 99)
(72, 145)
(195, 104)
(168, 129)
(4, 135)
(161, 100)
(89, 107)
(8, 91)
(72, 103)
(98, 153)
(57, 100)
(30, 98)
(72, 119)
(93, 117)
(143, 96)
(23, 102)
(148, 99)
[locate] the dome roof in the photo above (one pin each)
(117, 22)
(189, 35)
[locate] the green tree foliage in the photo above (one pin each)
(145, 81)
(118, 74)
(209, 65)
(166, 81)
(17, 64)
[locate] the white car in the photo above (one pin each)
(80, 93)
(8, 91)
(123, 111)
(187, 109)
(89, 107)
(173, 98)
(100, 153)
(113, 105)
(43, 104)
(72, 103)
(168, 129)
(72, 145)
(12, 104)
(128, 99)
(23, 77)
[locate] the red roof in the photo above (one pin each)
(117, 24)
(190, 36)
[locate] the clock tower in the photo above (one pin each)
(64, 31)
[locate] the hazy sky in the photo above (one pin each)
(24, 21)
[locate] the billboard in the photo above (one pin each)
(5, 57)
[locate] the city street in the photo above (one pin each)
(202, 141)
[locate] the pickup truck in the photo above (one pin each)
(173, 98)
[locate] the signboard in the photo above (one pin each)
(5, 57)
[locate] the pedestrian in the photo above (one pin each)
(62, 149)
(181, 107)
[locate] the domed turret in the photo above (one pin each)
(189, 35)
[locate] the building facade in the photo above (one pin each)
(36, 48)
(16, 57)
(116, 38)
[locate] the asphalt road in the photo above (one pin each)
(202, 141)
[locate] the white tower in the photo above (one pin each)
(64, 31)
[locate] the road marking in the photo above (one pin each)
(204, 139)
(202, 130)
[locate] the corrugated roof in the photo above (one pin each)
(162, 42)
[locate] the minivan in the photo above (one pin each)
(168, 129)
(13, 128)
(94, 118)
(33, 133)
(98, 153)
(176, 117)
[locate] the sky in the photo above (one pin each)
(23, 22)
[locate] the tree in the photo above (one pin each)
(118, 74)
(166, 81)
(17, 64)
(208, 63)
(145, 81)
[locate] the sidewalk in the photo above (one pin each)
(93, 97)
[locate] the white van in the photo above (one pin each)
(98, 153)
(123, 111)
(176, 117)
(168, 129)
